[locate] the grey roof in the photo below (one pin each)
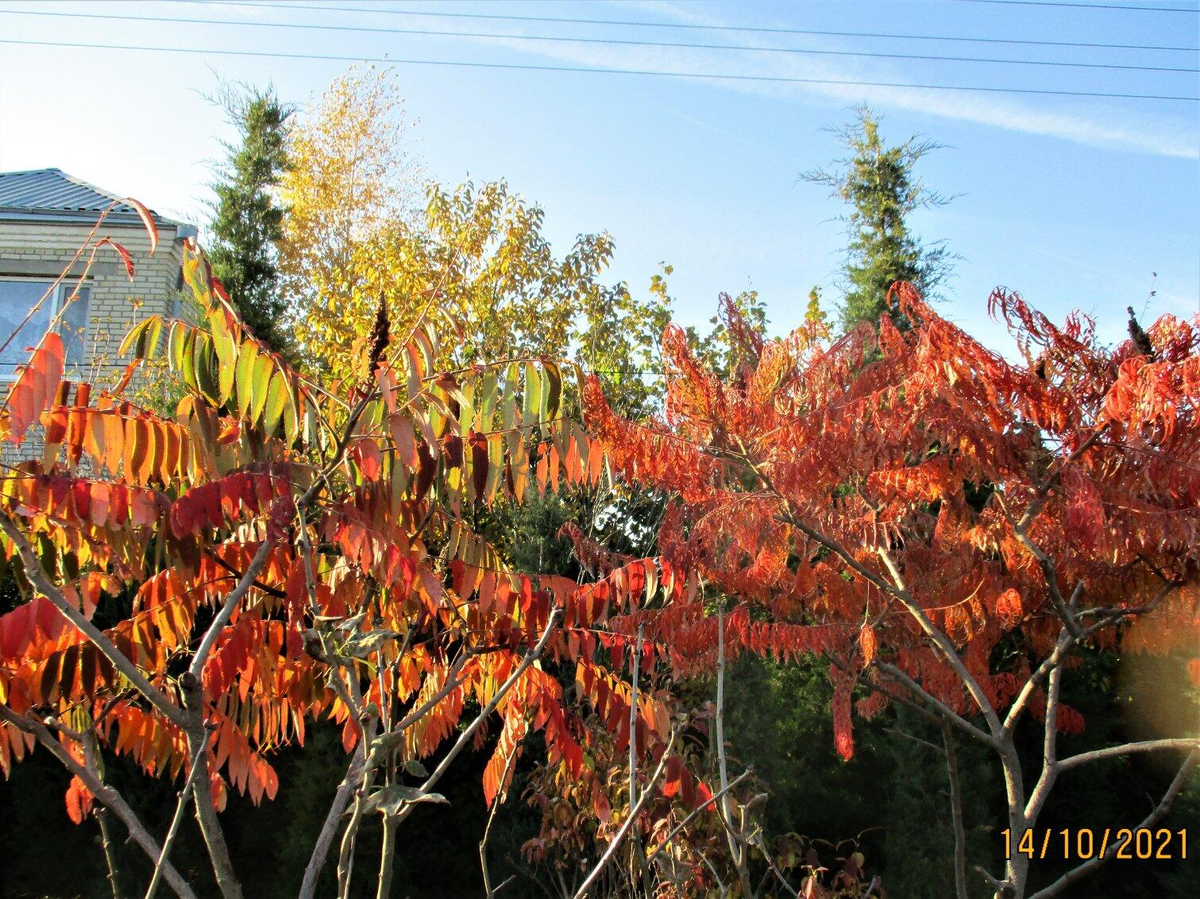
(52, 193)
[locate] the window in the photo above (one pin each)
(17, 297)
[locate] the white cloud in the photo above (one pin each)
(1111, 124)
(1093, 122)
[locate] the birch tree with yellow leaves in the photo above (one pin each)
(361, 227)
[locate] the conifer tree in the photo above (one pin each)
(880, 185)
(247, 219)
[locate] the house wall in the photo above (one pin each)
(116, 303)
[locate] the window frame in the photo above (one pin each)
(64, 289)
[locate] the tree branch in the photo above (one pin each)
(697, 810)
(956, 814)
(1112, 752)
(1045, 782)
(1150, 820)
(105, 795)
(173, 830)
(941, 708)
(1062, 649)
(206, 812)
(944, 644)
(463, 738)
(231, 603)
(308, 888)
(37, 576)
(628, 822)
(736, 852)
(487, 830)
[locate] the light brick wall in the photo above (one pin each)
(116, 303)
(45, 248)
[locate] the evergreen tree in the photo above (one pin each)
(247, 220)
(881, 187)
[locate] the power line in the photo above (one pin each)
(1085, 5)
(775, 79)
(690, 26)
(591, 40)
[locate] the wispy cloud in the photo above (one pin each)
(1110, 124)
(1092, 122)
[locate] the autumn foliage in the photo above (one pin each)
(943, 524)
(202, 585)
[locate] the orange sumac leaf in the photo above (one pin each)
(35, 387)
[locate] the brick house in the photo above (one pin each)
(45, 217)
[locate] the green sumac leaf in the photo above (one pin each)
(187, 363)
(291, 414)
(413, 372)
(205, 361)
(485, 400)
(424, 339)
(260, 384)
(508, 418)
(532, 412)
(495, 455)
(142, 338)
(553, 389)
(277, 400)
(226, 350)
(247, 361)
(465, 396)
(175, 343)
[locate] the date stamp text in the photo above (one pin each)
(1081, 844)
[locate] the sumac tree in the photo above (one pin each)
(283, 549)
(949, 528)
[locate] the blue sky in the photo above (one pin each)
(1074, 201)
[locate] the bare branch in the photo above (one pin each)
(956, 814)
(697, 810)
(231, 602)
(487, 830)
(1063, 648)
(724, 812)
(308, 888)
(1045, 782)
(1150, 820)
(105, 795)
(1112, 752)
(173, 830)
(468, 732)
(37, 576)
(941, 708)
(628, 823)
(943, 643)
(206, 812)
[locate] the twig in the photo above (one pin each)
(487, 830)
(104, 794)
(532, 656)
(736, 852)
(1150, 820)
(956, 814)
(308, 888)
(942, 709)
(173, 830)
(697, 810)
(1113, 752)
(628, 822)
